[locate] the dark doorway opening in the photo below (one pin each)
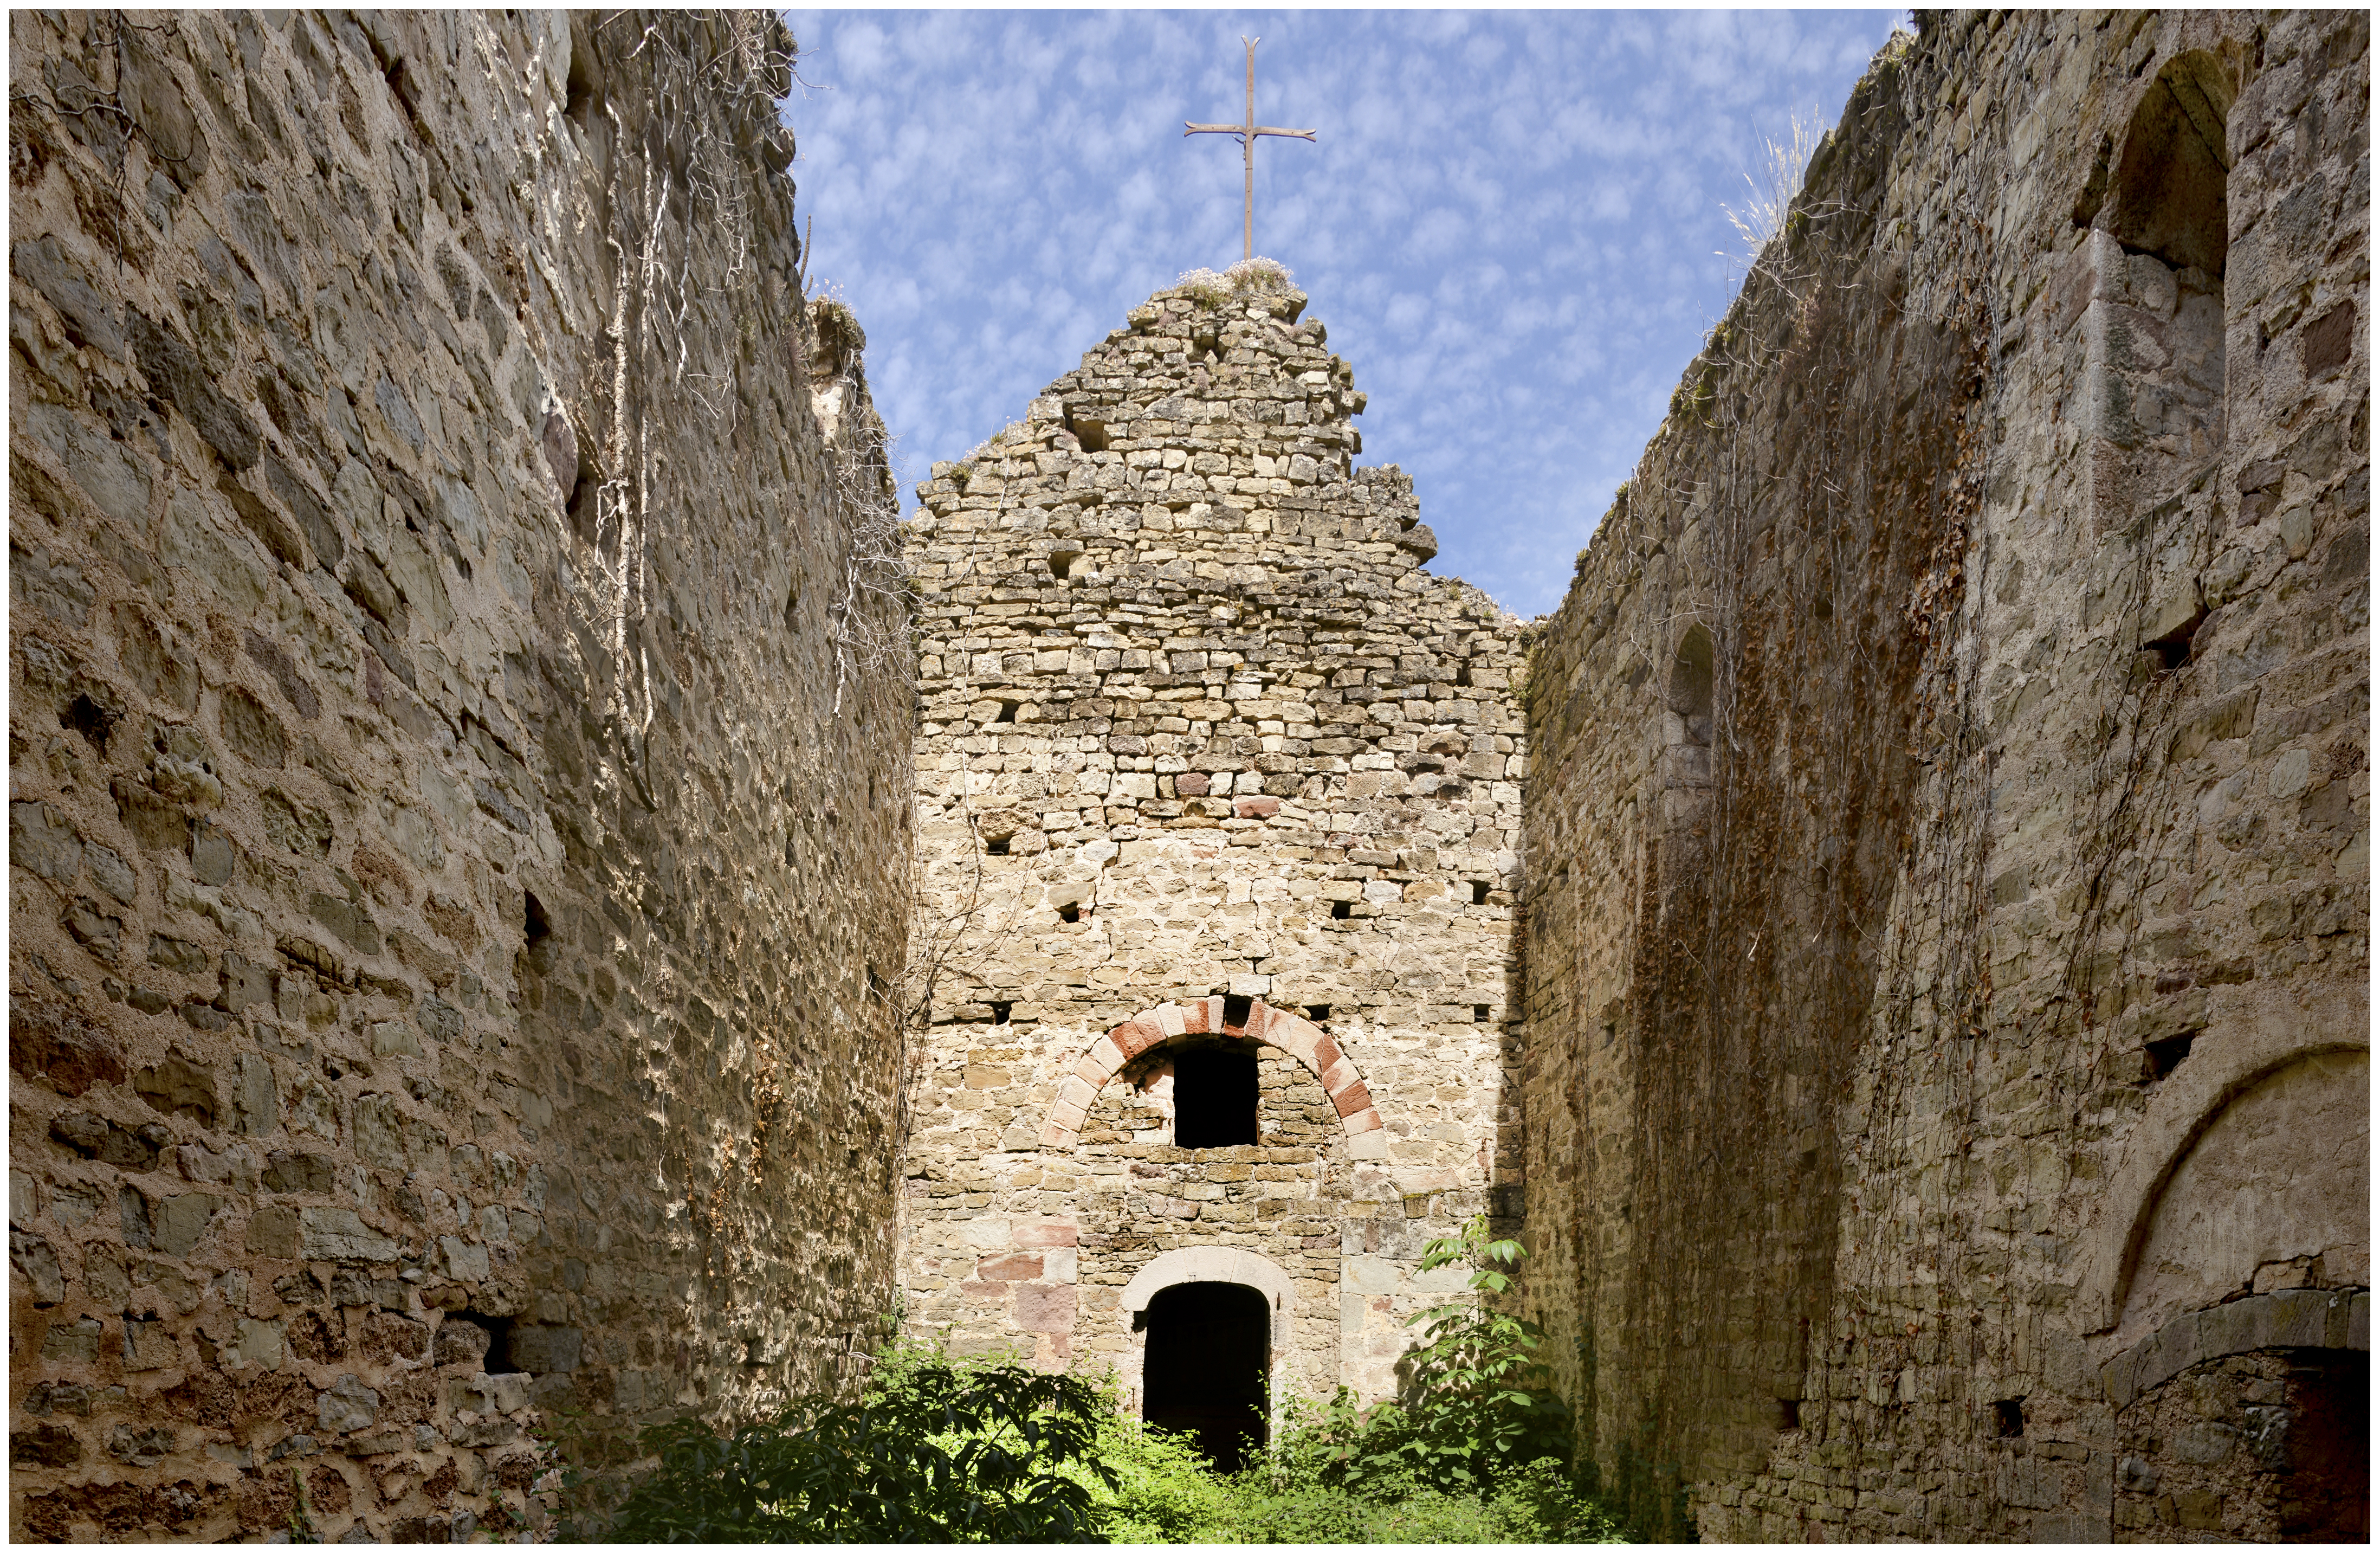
(2326, 1495)
(1209, 1346)
(1214, 1098)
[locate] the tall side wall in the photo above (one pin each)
(457, 866)
(1946, 932)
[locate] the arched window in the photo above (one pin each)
(2162, 233)
(1686, 723)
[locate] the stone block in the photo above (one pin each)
(340, 1235)
(1045, 1308)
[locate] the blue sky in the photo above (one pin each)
(1512, 222)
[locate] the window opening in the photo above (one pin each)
(1210, 1347)
(999, 1008)
(1479, 1013)
(1480, 893)
(498, 1360)
(2008, 1418)
(1341, 909)
(1007, 713)
(2166, 1055)
(1214, 1098)
(1317, 1012)
(1687, 724)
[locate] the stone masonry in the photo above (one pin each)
(457, 866)
(1203, 758)
(1894, 942)
(1946, 945)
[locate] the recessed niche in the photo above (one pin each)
(2008, 1418)
(536, 927)
(1341, 909)
(999, 1008)
(2165, 1056)
(1480, 893)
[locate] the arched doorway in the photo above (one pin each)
(1208, 1356)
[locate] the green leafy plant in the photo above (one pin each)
(936, 1451)
(1476, 1404)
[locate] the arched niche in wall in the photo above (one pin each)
(1685, 774)
(2231, 1264)
(1257, 1021)
(2248, 1170)
(2158, 209)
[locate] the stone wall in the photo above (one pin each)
(1203, 758)
(458, 869)
(1947, 938)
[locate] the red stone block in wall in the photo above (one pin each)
(1016, 1266)
(1045, 1308)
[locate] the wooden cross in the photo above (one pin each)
(1247, 133)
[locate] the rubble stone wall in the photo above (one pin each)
(1946, 936)
(1204, 757)
(458, 849)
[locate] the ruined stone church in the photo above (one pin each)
(539, 906)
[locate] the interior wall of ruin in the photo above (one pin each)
(458, 837)
(1946, 936)
(1204, 758)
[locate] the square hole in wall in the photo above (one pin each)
(2008, 1418)
(999, 1008)
(1479, 1013)
(1214, 1098)
(1317, 1012)
(1480, 893)
(1789, 1415)
(1341, 909)
(2166, 1055)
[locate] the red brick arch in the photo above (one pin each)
(1301, 1038)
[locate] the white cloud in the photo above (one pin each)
(1509, 221)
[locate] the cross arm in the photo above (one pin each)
(1297, 134)
(1189, 128)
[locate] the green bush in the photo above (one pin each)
(936, 1451)
(944, 1449)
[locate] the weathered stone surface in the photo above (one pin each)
(425, 801)
(1199, 746)
(1947, 832)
